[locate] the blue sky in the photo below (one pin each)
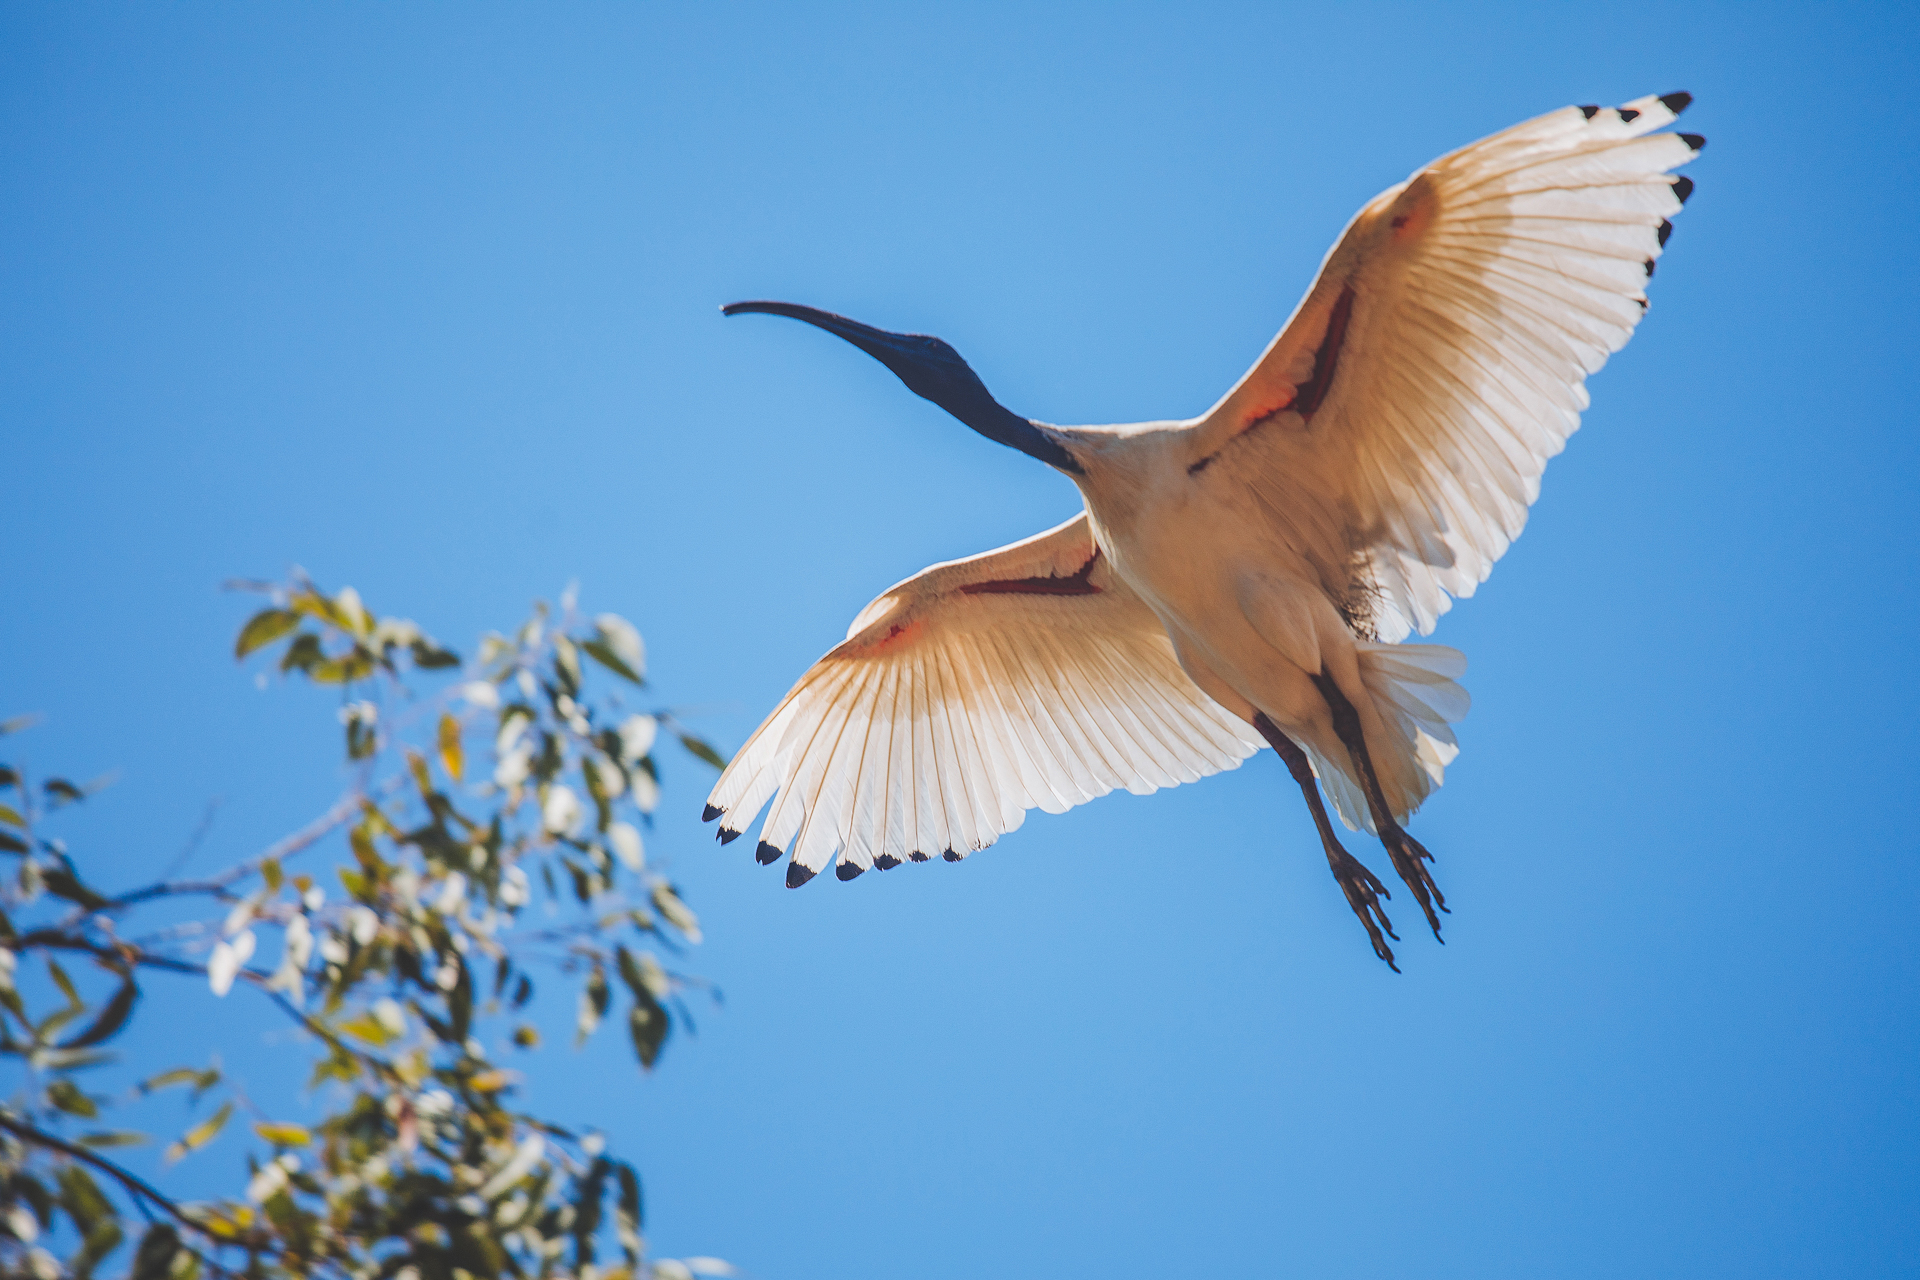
(425, 299)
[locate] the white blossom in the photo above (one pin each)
(637, 735)
(646, 792)
(515, 891)
(227, 959)
(560, 811)
(625, 839)
(514, 766)
(480, 693)
(624, 640)
(387, 1012)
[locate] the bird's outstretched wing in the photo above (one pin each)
(1396, 430)
(1028, 677)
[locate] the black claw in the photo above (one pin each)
(1682, 188)
(1364, 891)
(1410, 859)
(766, 855)
(1666, 229)
(1693, 140)
(1676, 102)
(709, 813)
(1589, 111)
(1628, 115)
(845, 871)
(1649, 266)
(797, 875)
(727, 835)
(886, 862)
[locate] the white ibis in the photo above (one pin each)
(1248, 575)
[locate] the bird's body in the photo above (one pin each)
(1248, 575)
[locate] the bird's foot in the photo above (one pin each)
(1410, 859)
(1364, 891)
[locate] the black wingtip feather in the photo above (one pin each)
(1649, 265)
(1629, 115)
(797, 875)
(847, 870)
(765, 854)
(711, 812)
(1589, 110)
(1682, 188)
(951, 856)
(886, 862)
(1676, 102)
(727, 835)
(1693, 140)
(1666, 229)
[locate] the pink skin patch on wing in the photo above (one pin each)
(1411, 222)
(897, 634)
(1257, 416)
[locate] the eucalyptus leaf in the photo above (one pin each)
(263, 629)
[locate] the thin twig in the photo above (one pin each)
(192, 845)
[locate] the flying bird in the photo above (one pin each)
(1246, 577)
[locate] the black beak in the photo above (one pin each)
(933, 371)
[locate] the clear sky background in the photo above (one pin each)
(425, 299)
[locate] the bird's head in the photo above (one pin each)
(933, 371)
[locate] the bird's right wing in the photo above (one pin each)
(1028, 677)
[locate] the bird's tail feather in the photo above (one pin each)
(1414, 691)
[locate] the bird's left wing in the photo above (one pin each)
(1028, 677)
(1395, 432)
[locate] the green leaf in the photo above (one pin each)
(282, 1134)
(9, 815)
(369, 1029)
(451, 755)
(599, 651)
(200, 1135)
(64, 884)
(263, 628)
(431, 657)
(62, 981)
(153, 1260)
(629, 1213)
(356, 665)
(271, 872)
(110, 1019)
(303, 653)
(113, 1138)
(62, 792)
(66, 1096)
(594, 999)
(647, 1026)
(167, 1079)
(702, 751)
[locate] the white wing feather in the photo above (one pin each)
(1450, 332)
(1028, 677)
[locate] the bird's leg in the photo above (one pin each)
(1362, 887)
(1409, 856)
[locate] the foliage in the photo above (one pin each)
(424, 937)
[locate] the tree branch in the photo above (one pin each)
(41, 1138)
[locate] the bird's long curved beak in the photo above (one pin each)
(932, 370)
